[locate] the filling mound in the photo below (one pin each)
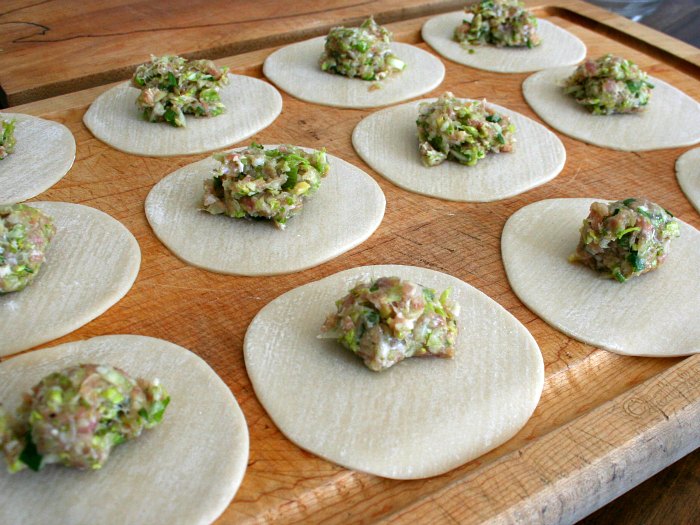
(609, 85)
(387, 320)
(461, 130)
(626, 238)
(360, 52)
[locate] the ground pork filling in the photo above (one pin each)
(360, 52)
(172, 86)
(7, 137)
(25, 234)
(608, 85)
(626, 238)
(76, 416)
(387, 320)
(501, 23)
(264, 184)
(461, 130)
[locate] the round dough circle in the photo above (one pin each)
(387, 140)
(418, 419)
(295, 69)
(251, 106)
(650, 315)
(44, 153)
(558, 48)
(342, 214)
(91, 264)
(688, 174)
(184, 471)
(657, 127)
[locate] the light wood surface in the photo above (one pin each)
(605, 422)
(669, 496)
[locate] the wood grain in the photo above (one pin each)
(670, 493)
(46, 49)
(558, 463)
(50, 48)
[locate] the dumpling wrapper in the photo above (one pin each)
(420, 418)
(558, 48)
(295, 69)
(347, 208)
(671, 119)
(387, 140)
(251, 106)
(91, 263)
(688, 174)
(654, 314)
(184, 471)
(44, 153)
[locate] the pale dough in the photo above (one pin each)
(295, 69)
(251, 106)
(418, 419)
(654, 314)
(671, 119)
(688, 174)
(44, 153)
(184, 471)
(558, 48)
(388, 141)
(347, 208)
(91, 264)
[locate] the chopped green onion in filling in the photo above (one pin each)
(267, 184)
(461, 130)
(501, 23)
(387, 320)
(360, 52)
(608, 85)
(25, 233)
(626, 238)
(76, 416)
(7, 137)
(172, 87)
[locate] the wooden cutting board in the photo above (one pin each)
(604, 423)
(52, 48)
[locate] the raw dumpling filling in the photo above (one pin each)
(360, 52)
(172, 86)
(609, 85)
(626, 238)
(7, 137)
(76, 416)
(387, 320)
(461, 130)
(267, 184)
(25, 234)
(501, 23)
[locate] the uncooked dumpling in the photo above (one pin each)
(91, 264)
(347, 208)
(656, 127)
(387, 140)
(654, 314)
(558, 48)
(295, 69)
(184, 471)
(688, 174)
(418, 419)
(251, 106)
(44, 153)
